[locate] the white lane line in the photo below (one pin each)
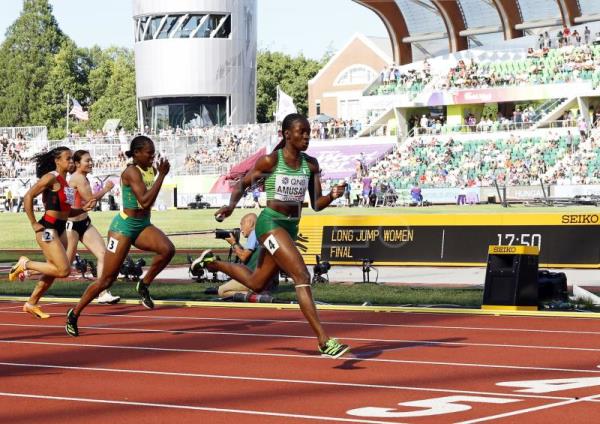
(299, 356)
(5, 305)
(533, 409)
(6, 310)
(355, 324)
(281, 380)
(413, 342)
(191, 407)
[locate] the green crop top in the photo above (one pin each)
(129, 199)
(287, 184)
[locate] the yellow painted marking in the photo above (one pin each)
(509, 308)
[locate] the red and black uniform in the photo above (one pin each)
(79, 226)
(60, 200)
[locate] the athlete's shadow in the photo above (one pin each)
(127, 309)
(376, 349)
(239, 327)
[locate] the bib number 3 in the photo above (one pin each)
(112, 245)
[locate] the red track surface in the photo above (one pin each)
(213, 365)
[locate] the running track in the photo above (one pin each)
(224, 365)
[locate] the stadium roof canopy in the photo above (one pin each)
(425, 28)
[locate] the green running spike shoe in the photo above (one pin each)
(333, 349)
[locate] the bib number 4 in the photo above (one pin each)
(271, 244)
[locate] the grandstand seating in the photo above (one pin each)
(410, 82)
(520, 158)
(516, 160)
(565, 64)
(196, 151)
(15, 151)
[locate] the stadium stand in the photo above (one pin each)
(557, 157)
(397, 80)
(571, 63)
(17, 145)
(192, 151)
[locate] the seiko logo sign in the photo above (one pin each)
(579, 219)
(505, 249)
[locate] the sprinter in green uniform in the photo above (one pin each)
(139, 188)
(288, 173)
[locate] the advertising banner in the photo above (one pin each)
(338, 160)
(564, 240)
(504, 94)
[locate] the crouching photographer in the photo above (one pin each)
(248, 254)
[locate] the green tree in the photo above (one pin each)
(25, 62)
(102, 69)
(118, 98)
(292, 76)
(67, 76)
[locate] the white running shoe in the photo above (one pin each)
(106, 298)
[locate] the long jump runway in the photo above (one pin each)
(224, 365)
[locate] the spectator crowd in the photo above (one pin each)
(553, 157)
(569, 57)
(14, 158)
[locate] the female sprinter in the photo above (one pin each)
(288, 173)
(79, 225)
(132, 227)
(57, 197)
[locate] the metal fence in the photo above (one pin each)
(204, 151)
(28, 133)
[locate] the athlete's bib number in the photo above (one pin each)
(69, 226)
(112, 245)
(271, 244)
(290, 188)
(70, 195)
(47, 235)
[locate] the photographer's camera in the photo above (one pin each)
(223, 234)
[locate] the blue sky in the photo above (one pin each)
(307, 26)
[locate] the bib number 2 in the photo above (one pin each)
(47, 235)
